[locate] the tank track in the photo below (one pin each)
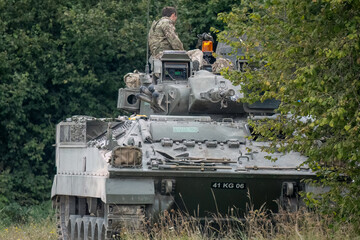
(75, 222)
(61, 219)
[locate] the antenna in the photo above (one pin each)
(147, 39)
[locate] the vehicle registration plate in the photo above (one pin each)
(228, 185)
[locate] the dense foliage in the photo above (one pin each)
(307, 54)
(64, 58)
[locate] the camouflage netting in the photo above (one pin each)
(220, 64)
(132, 80)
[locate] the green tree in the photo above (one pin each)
(307, 55)
(59, 59)
(195, 18)
(64, 58)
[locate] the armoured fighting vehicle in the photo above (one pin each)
(185, 148)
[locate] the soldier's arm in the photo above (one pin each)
(172, 37)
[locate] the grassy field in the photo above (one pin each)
(44, 229)
(258, 225)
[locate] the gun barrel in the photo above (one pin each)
(219, 94)
(227, 93)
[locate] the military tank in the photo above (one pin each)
(186, 148)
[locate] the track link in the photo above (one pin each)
(117, 218)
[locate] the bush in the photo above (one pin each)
(13, 213)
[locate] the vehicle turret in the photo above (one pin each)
(174, 88)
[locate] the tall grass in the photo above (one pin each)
(256, 224)
(27, 223)
(32, 230)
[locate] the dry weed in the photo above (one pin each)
(257, 224)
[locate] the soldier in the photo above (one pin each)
(162, 35)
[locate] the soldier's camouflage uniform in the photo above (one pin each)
(162, 36)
